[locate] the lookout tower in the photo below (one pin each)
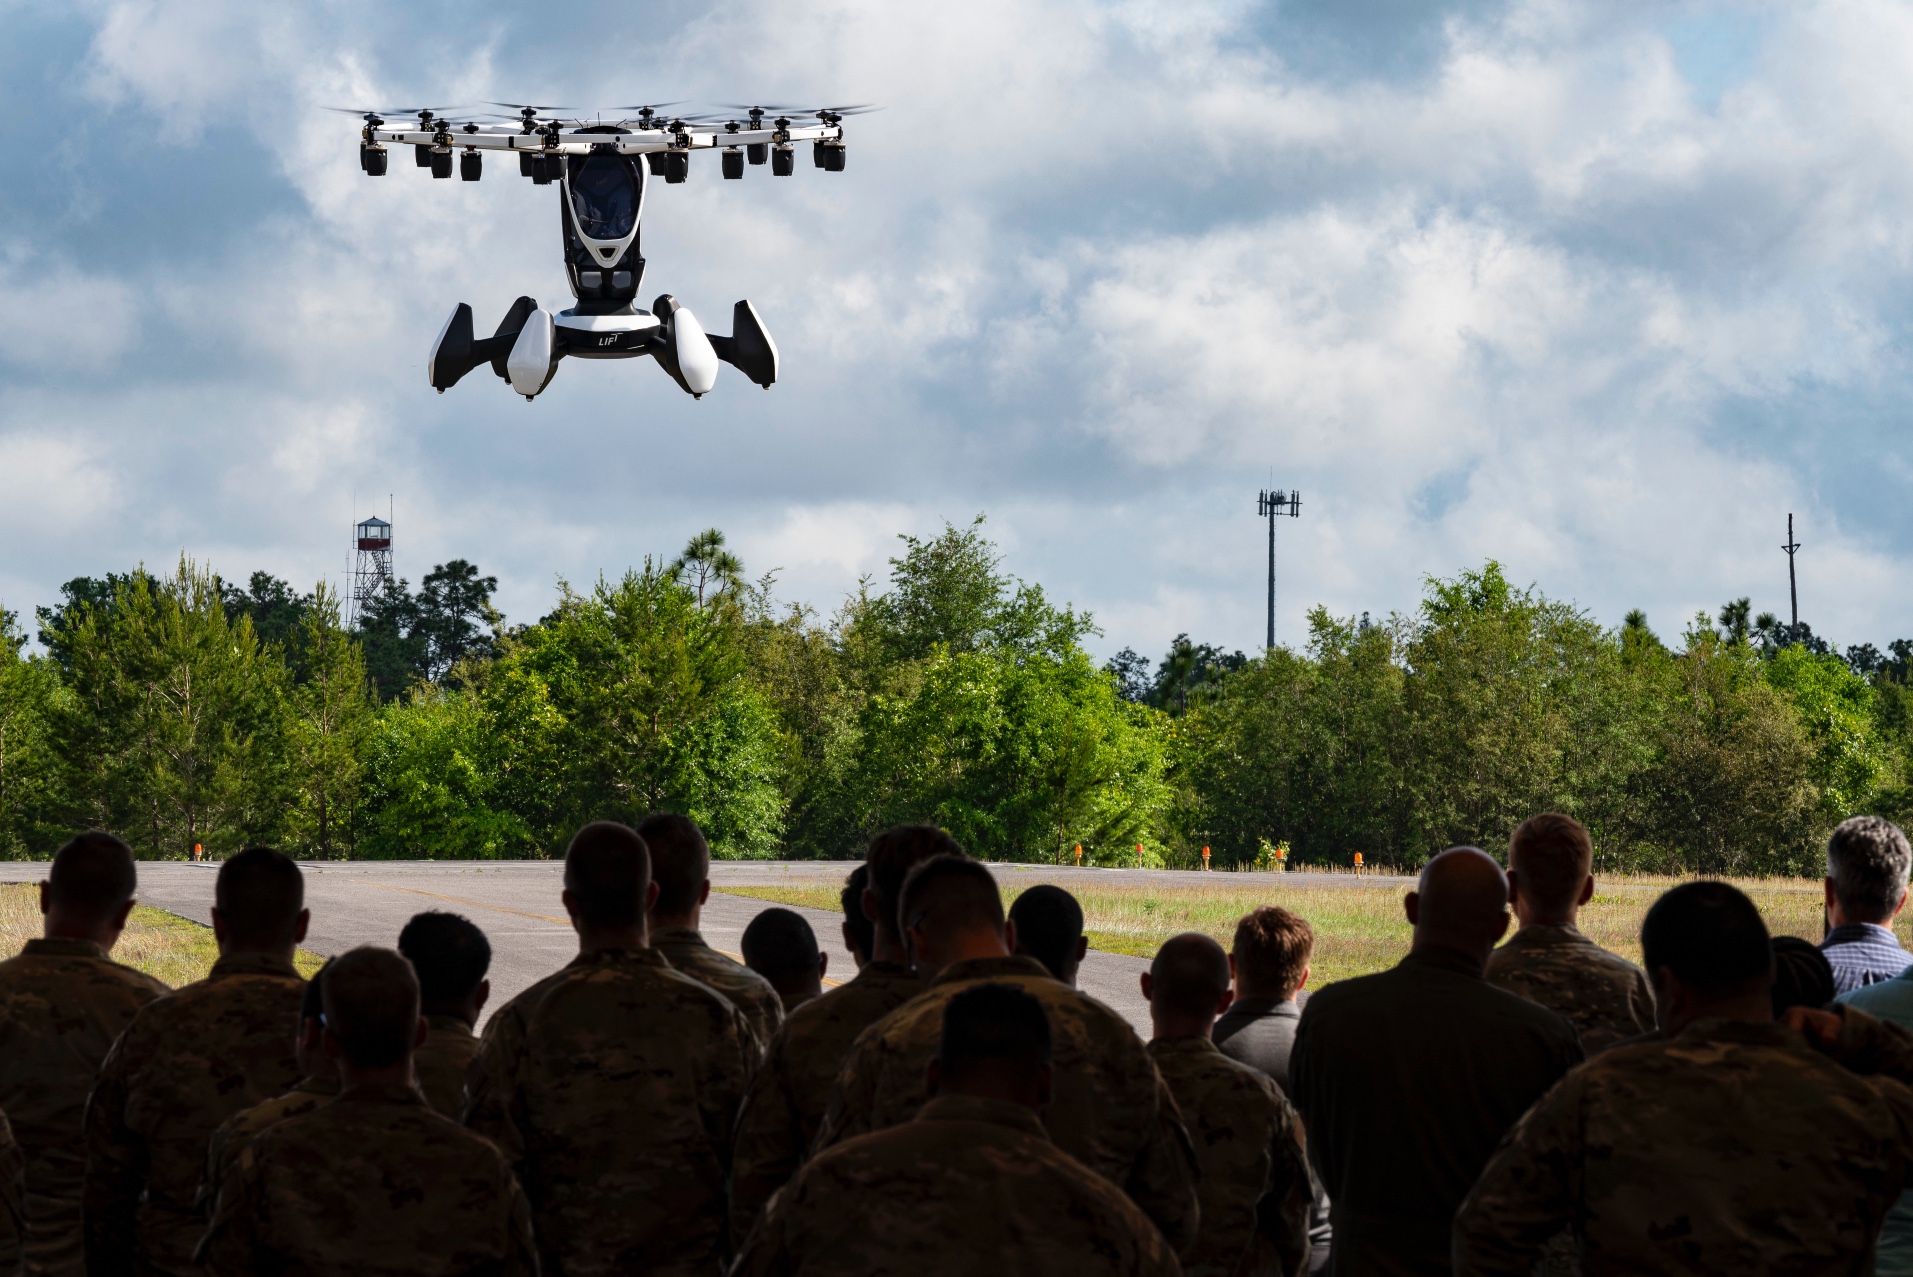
(373, 538)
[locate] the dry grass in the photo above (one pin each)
(163, 945)
(1358, 929)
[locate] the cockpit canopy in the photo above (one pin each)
(604, 196)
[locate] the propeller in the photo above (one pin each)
(522, 107)
(644, 113)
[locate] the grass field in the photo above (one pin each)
(1358, 929)
(163, 945)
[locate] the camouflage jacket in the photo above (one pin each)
(971, 1185)
(748, 991)
(241, 1128)
(186, 1063)
(442, 1061)
(373, 1183)
(1606, 997)
(613, 1094)
(785, 1106)
(62, 1002)
(1255, 1189)
(1111, 1109)
(13, 1223)
(1729, 1147)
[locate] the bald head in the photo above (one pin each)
(1187, 986)
(1461, 902)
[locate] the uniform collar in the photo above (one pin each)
(1751, 1032)
(991, 968)
(1257, 1008)
(1183, 1046)
(449, 1024)
(1548, 934)
(972, 1108)
(56, 948)
(1442, 959)
(252, 964)
(621, 957)
(686, 936)
(319, 1084)
(397, 1095)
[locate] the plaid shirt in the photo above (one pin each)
(1863, 953)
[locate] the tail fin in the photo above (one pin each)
(452, 355)
(749, 348)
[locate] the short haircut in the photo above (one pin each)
(863, 932)
(608, 873)
(449, 953)
(680, 861)
(259, 894)
(1802, 975)
(1049, 922)
(93, 875)
(1868, 859)
(312, 1005)
(1709, 934)
(1272, 949)
(1554, 855)
(1190, 974)
(993, 1023)
(371, 1006)
(949, 895)
(779, 943)
(893, 854)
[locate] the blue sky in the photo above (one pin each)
(1601, 290)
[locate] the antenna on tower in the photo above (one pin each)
(373, 569)
(1270, 504)
(1793, 587)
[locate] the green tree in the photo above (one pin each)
(33, 793)
(330, 717)
(709, 566)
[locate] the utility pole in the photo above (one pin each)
(1793, 586)
(1269, 504)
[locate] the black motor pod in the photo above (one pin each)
(470, 165)
(441, 163)
(525, 161)
(733, 163)
(373, 159)
(783, 161)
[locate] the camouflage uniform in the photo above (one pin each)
(613, 1094)
(241, 1129)
(1606, 997)
(1111, 1110)
(1255, 1189)
(62, 1002)
(1731, 1147)
(971, 1185)
(748, 991)
(372, 1183)
(785, 1106)
(442, 1061)
(13, 1207)
(186, 1063)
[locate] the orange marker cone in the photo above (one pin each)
(1205, 860)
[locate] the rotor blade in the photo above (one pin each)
(527, 106)
(646, 106)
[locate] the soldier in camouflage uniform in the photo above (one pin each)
(62, 1002)
(186, 1063)
(1255, 1189)
(786, 1103)
(1606, 997)
(681, 867)
(780, 946)
(451, 957)
(375, 1181)
(13, 1207)
(614, 1090)
(1112, 1111)
(971, 1184)
(1726, 1145)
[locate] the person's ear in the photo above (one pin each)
(1514, 887)
(119, 919)
(850, 937)
(1303, 983)
(651, 896)
(219, 926)
(482, 996)
(704, 892)
(1411, 905)
(43, 897)
(1501, 927)
(1148, 990)
(932, 1078)
(1587, 892)
(1082, 947)
(1009, 934)
(1228, 996)
(871, 906)
(1901, 905)
(823, 966)
(305, 921)
(1235, 977)
(570, 903)
(423, 1031)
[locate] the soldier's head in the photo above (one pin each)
(88, 892)
(780, 946)
(1049, 928)
(1187, 986)
(951, 911)
(1460, 904)
(1867, 863)
(259, 904)
(681, 866)
(1706, 949)
(608, 886)
(450, 956)
(995, 1045)
(1550, 869)
(372, 1022)
(1271, 954)
(859, 930)
(1802, 975)
(309, 1046)
(890, 858)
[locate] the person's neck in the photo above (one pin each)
(661, 923)
(235, 949)
(967, 947)
(59, 925)
(611, 939)
(1180, 1028)
(1749, 1008)
(463, 1011)
(1248, 992)
(886, 947)
(1848, 920)
(1528, 917)
(352, 1076)
(1474, 953)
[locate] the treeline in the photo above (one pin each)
(181, 710)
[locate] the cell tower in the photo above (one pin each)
(373, 538)
(1268, 505)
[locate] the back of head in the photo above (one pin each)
(863, 932)
(371, 1006)
(1868, 859)
(259, 895)
(608, 873)
(1272, 950)
(1464, 899)
(893, 854)
(1049, 923)
(449, 954)
(680, 862)
(779, 945)
(1802, 975)
(1553, 855)
(92, 876)
(1709, 935)
(950, 896)
(1189, 975)
(992, 1025)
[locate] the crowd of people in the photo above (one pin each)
(1493, 1104)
